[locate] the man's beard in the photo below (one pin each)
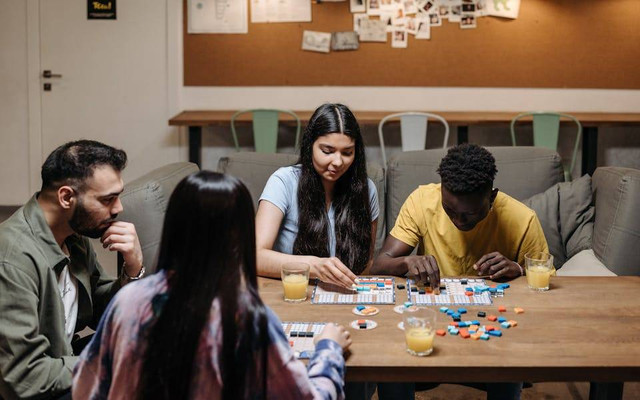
(83, 223)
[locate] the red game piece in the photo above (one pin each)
(465, 333)
(453, 324)
(502, 309)
(492, 318)
(441, 332)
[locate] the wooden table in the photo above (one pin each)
(195, 120)
(583, 329)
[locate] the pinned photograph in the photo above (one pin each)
(356, 6)
(503, 8)
(411, 25)
(373, 7)
(399, 38)
(410, 7)
(444, 12)
(388, 5)
(481, 8)
(387, 18)
(434, 19)
(467, 21)
(468, 8)
(356, 21)
(427, 6)
(455, 12)
(343, 41)
(424, 28)
(399, 17)
(316, 41)
(373, 30)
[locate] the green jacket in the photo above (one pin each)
(36, 360)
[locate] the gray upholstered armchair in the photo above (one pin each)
(145, 202)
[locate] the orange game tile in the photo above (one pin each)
(513, 323)
(492, 318)
(518, 310)
(502, 309)
(441, 332)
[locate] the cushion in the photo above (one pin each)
(585, 263)
(566, 215)
(616, 239)
(145, 202)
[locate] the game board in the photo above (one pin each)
(453, 293)
(301, 336)
(369, 290)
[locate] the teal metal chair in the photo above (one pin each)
(413, 131)
(265, 128)
(546, 129)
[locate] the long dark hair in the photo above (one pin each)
(350, 195)
(208, 250)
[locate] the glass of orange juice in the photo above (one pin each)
(539, 270)
(419, 330)
(295, 279)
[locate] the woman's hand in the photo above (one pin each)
(332, 270)
(337, 333)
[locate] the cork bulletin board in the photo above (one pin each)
(552, 44)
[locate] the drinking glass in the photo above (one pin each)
(419, 330)
(539, 270)
(295, 279)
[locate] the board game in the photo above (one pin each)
(301, 337)
(368, 290)
(453, 291)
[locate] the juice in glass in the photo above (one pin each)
(419, 330)
(295, 280)
(539, 270)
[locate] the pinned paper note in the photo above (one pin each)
(503, 8)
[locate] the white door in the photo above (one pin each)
(14, 118)
(113, 84)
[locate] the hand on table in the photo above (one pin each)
(122, 237)
(497, 266)
(337, 333)
(423, 267)
(332, 270)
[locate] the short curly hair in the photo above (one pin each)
(467, 168)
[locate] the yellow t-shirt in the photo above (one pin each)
(510, 228)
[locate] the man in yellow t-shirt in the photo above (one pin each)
(462, 226)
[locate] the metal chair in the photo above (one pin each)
(265, 128)
(413, 131)
(546, 129)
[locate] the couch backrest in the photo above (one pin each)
(616, 236)
(522, 172)
(145, 201)
(254, 169)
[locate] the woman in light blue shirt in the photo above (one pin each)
(324, 210)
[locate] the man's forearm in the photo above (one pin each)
(384, 264)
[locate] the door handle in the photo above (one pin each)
(47, 74)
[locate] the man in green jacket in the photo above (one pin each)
(51, 284)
